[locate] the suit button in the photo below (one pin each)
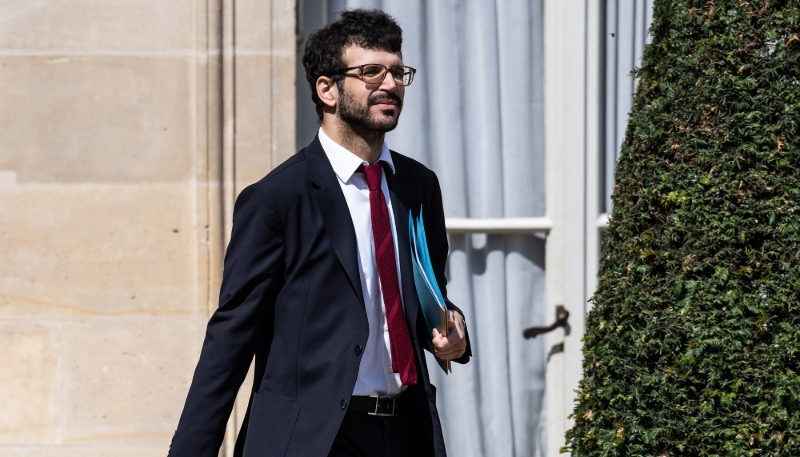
(343, 403)
(359, 349)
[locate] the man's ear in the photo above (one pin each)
(327, 91)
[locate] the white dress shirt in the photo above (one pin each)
(375, 375)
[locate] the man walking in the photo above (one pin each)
(318, 281)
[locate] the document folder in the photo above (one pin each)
(430, 296)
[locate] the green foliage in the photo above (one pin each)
(692, 347)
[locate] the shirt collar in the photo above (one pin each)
(344, 162)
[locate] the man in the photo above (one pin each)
(318, 281)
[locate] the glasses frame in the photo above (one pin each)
(379, 79)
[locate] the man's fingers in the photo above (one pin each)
(453, 352)
(452, 326)
(449, 349)
(455, 322)
(439, 340)
(453, 345)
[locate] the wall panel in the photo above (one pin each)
(126, 129)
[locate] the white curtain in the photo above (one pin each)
(625, 35)
(475, 116)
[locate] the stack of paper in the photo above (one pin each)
(430, 297)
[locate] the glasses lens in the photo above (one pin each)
(408, 75)
(399, 75)
(373, 73)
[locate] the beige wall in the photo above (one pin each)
(126, 128)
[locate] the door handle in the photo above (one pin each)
(562, 315)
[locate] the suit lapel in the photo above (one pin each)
(402, 192)
(335, 213)
(339, 225)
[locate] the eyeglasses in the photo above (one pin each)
(374, 73)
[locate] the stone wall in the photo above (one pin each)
(126, 129)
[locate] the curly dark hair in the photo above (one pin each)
(367, 28)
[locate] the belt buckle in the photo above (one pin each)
(379, 406)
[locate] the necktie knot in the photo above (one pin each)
(373, 174)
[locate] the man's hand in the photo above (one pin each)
(453, 345)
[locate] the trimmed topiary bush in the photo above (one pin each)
(692, 347)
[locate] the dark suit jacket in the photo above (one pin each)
(291, 296)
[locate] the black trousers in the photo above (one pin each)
(362, 435)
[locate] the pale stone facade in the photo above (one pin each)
(126, 129)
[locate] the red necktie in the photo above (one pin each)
(399, 339)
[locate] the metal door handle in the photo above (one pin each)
(562, 315)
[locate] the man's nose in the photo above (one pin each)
(388, 84)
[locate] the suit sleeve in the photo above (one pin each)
(252, 277)
(439, 249)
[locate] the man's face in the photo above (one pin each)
(376, 106)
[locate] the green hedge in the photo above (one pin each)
(692, 346)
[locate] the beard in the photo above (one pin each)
(359, 117)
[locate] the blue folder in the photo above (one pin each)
(430, 296)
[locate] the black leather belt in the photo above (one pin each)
(376, 405)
